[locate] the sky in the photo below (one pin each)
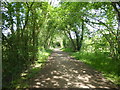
(55, 3)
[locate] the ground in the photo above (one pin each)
(63, 71)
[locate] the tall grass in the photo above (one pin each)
(100, 61)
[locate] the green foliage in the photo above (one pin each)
(34, 27)
(32, 71)
(101, 62)
(20, 47)
(67, 49)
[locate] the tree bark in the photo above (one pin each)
(74, 46)
(118, 31)
(77, 41)
(82, 34)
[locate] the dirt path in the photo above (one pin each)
(62, 71)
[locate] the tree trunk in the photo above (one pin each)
(77, 41)
(74, 46)
(81, 39)
(114, 4)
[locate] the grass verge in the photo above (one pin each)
(101, 62)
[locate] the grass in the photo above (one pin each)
(35, 68)
(101, 62)
(69, 50)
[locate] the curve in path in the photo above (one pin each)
(62, 71)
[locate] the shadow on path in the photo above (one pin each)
(62, 71)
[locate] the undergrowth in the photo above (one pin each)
(34, 69)
(100, 61)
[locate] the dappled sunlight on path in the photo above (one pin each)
(63, 71)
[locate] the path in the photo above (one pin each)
(62, 71)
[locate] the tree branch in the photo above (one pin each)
(26, 19)
(100, 23)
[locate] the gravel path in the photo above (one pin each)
(62, 71)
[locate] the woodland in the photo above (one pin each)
(89, 31)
